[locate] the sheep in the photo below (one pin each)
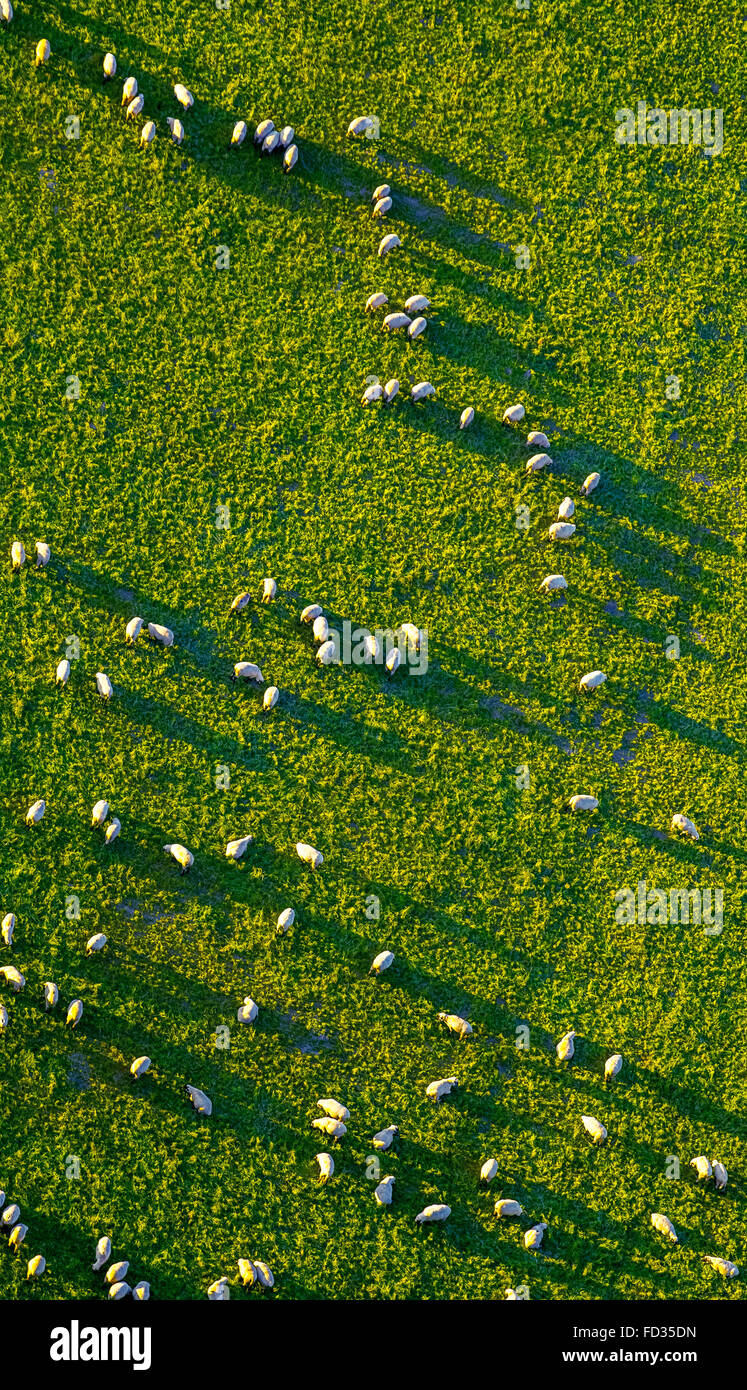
(236, 848)
(4, 1019)
(43, 555)
(74, 1013)
(725, 1267)
(685, 826)
(264, 1274)
(359, 125)
(385, 1137)
(376, 301)
(391, 390)
(512, 1296)
(6, 11)
(177, 136)
(290, 158)
(132, 631)
(269, 590)
(436, 1090)
(285, 920)
(270, 142)
(561, 531)
(595, 1128)
(466, 417)
(308, 855)
(372, 393)
(17, 1236)
(720, 1175)
(612, 1066)
(393, 661)
(141, 1291)
(334, 1108)
(417, 304)
(663, 1225)
(160, 634)
(11, 1215)
(513, 415)
(110, 66)
(8, 928)
(62, 674)
(184, 858)
(139, 1067)
(381, 962)
(506, 1206)
(538, 461)
(248, 1011)
(247, 671)
(590, 483)
(119, 1290)
(247, 1272)
(422, 390)
(135, 107)
(310, 612)
(566, 509)
(112, 831)
(51, 995)
(129, 90)
(148, 133)
(219, 1292)
(489, 1170)
(320, 629)
(96, 942)
(183, 96)
(582, 803)
(13, 977)
(287, 136)
(533, 1237)
(455, 1024)
(389, 243)
(397, 320)
(551, 582)
(263, 129)
(326, 1166)
(103, 685)
(201, 1102)
(327, 654)
(238, 134)
(537, 440)
(565, 1048)
(592, 680)
(103, 1251)
(334, 1128)
(17, 555)
(43, 52)
(240, 602)
(36, 1267)
(382, 191)
(383, 1191)
(702, 1167)
(417, 327)
(99, 814)
(438, 1211)
(382, 207)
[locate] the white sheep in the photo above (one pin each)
(455, 1024)
(359, 125)
(538, 461)
(269, 590)
(332, 1107)
(385, 1137)
(6, 11)
(389, 243)
(437, 1211)
(141, 1291)
(110, 65)
(119, 1290)
(240, 602)
(613, 1066)
(177, 136)
(74, 1013)
(4, 1019)
(35, 812)
(112, 830)
(129, 90)
(264, 1274)
(720, 1175)
(219, 1292)
(489, 1170)
(103, 1251)
(148, 133)
(8, 927)
(382, 191)
(513, 415)
(590, 483)
(287, 136)
(327, 654)
(51, 994)
(264, 129)
(290, 158)
(36, 1267)
(238, 134)
(326, 1166)
(551, 582)
(247, 1272)
(685, 826)
(533, 1237)
(13, 977)
(391, 390)
(506, 1206)
(163, 635)
(396, 320)
(565, 1048)
(393, 661)
(103, 685)
(383, 206)
(99, 814)
(236, 848)
(663, 1225)
(247, 671)
(11, 1215)
(271, 142)
(95, 943)
(139, 1067)
(62, 674)
(334, 1128)
(43, 52)
(135, 107)
(595, 1128)
(17, 1236)
(43, 554)
(561, 531)
(320, 629)
(381, 962)
(183, 96)
(376, 301)
(417, 327)
(308, 855)
(285, 920)
(592, 680)
(725, 1267)
(17, 555)
(201, 1102)
(436, 1090)
(702, 1167)
(466, 417)
(248, 1011)
(132, 631)
(582, 803)
(417, 304)
(383, 1191)
(372, 393)
(537, 440)
(184, 858)
(566, 509)
(421, 390)
(310, 612)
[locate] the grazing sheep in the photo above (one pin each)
(533, 1237)
(389, 243)
(269, 590)
(285, 920)
(74, 1013)
(372, 393)
(591, 680)
(466, 417)
(720, 1175)
(112, 831)
(135, 107)
(412, 635)
(391, 390)
(513, 415)
(264, 1274)
(561, 531)
(551, 582)
(590, 483)
(287, 136)
(129, 90)
(247, 1272)
(320, 629)
(43, 555)
(565, 1048)
(264, 129)
(683, 824)
(236, 848)
(99, 814)
(382, 207)
(51, 995)
(455, 1024)
(334, 1128)
(308, 855)
(201, 1102)
(62, 674)
(43, 52)
(422, 390)
(417, 304)
(177, 135)
(6, 11)
(290, 158)
(382, 191)
(148, 133)
(417, 327)
(248, 1011)
(13, 977)
(96, 942)
(183, 96)
(240, 602)
(376, 301)
(512, 1296)
(270, 142)
(219, 1291)
(702, 1167)
(327, 654)
(393, 661)
(132, 631)
(397, 320)
(359, 125)
(184, 858)
(381, 962)
(334, 1108)
(103, 685)
(582, 803)
(139, 1067)
(385, 1137)
(538, 461)
(537, 440)
(310, 612)
(8, 928)
(489, 1170)
(36, 1267)
(238, 134)
(566, 509)
(103, 1251)
(438, 1211)
(506, 1206)
(110, 65)
(326, 1166)
(163, 635)
(725, 1267)
(11, 1215)
(17, 555)
(595, 1128)
(436, 1090)
(119, 1290)
(17, 1236)
(383, 1191)
(141, 1291)
(613, 1065)
(3, 1018)
(663, 1225)
(247, 671)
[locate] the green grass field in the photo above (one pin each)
(204, 387)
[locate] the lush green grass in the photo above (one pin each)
(201, 387)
